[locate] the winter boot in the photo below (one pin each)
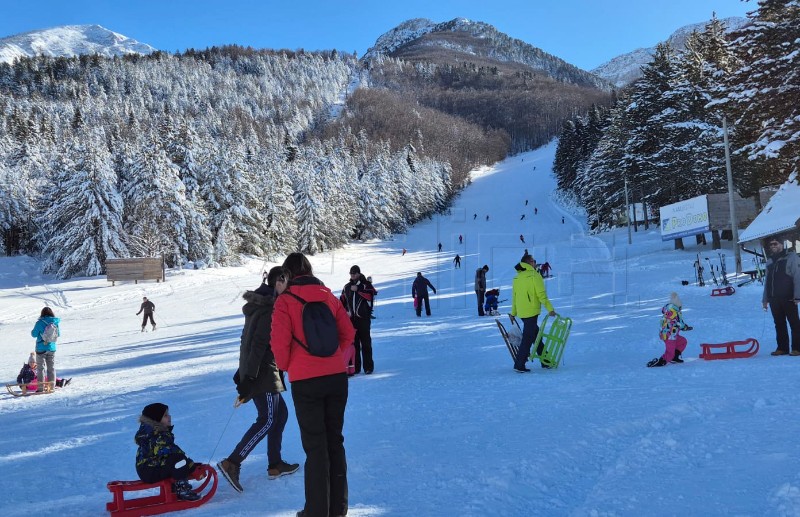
(658, 361)
(154, 326)
(142, 328)
(677, 358)
(282, 468)
(184, 491)
(230, 471)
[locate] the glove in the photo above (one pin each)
(236, 377)
(434, 291)
(245, 388)
(688, 328)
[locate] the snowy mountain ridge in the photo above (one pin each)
(492, 44)
(70, 40)
(626, 68)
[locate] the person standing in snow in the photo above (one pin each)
(480, 287)
(671, 326)
(357, 296)
(149, 308)
(782, 294)
(461, 239)
(528, 294)
(440, 246)
(419, 290)
(45, 350)
(319, 387)
(457, 261)
(258, 380)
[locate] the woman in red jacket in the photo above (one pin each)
(319, 387)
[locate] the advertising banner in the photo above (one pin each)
(684, 218)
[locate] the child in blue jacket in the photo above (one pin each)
(158, 456)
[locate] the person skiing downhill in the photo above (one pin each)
(149, 308)
(457, 261)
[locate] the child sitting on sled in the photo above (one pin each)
(27, 379)
(671, 325)
(158, 456)
(490, 305)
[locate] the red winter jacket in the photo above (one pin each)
(287, 321)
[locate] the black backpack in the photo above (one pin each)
(319, 326)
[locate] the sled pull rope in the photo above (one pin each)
(220, 437)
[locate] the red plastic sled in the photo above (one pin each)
(165, 500)
(723, 291)
(730, 350)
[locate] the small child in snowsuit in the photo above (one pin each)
(671, 325)
(28, 380)
(158, 456)
(490, 305)
(27, 375)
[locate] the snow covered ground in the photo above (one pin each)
(444, 426)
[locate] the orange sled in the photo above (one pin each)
(723, 291)
(165, 500)
(732, 350)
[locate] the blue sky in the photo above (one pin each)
(585, 33)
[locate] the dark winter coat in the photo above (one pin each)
(41, 323)
(27, 375)
(156, 443)
(287, 323)
(783, 277)
(256, 359)
(148, 307)
(419, 289)
(480, 279)
(358, 303)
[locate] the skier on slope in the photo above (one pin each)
(149, 308)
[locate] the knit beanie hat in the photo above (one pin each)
(155, 411)
(675, 300)
(32, 358)
(355, 270)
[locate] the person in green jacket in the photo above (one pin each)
(527, 297)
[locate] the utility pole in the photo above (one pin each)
(628, 211)
(737, 253)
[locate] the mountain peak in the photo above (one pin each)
(462, 36)
(69, 40)
(626, 68)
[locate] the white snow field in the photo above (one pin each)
(444, 426)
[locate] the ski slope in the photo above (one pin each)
(444, 426)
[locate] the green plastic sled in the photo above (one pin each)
(555, 338)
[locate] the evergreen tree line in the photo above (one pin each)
(529, 107)
(664, 135)
(198, 157)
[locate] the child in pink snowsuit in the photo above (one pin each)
(671, 326)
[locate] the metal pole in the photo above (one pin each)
(737, 253)
(628, 210)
